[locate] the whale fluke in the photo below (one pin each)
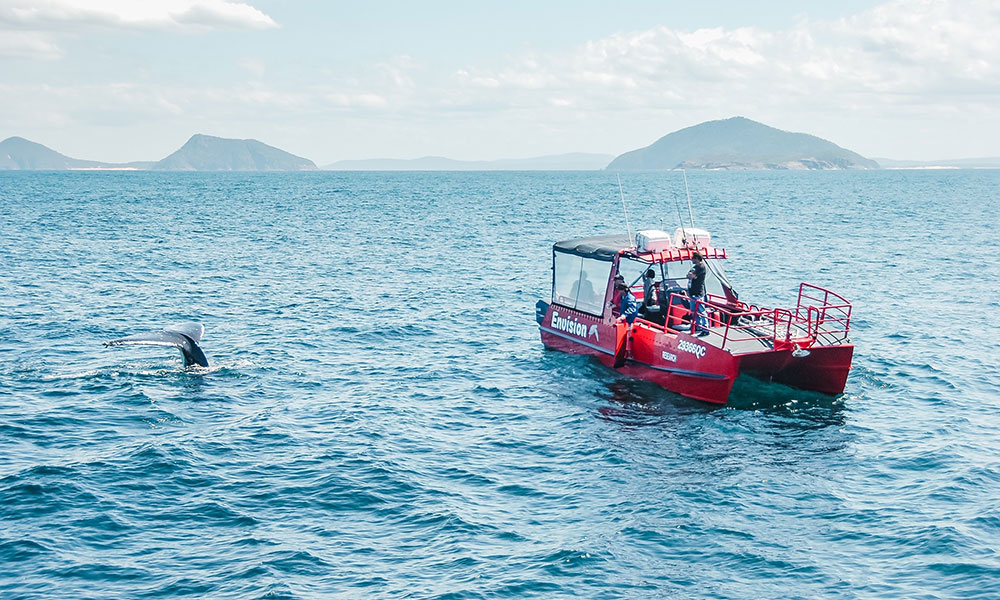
(184, 336)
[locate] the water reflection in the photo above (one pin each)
(774, 406)
(641, 403)
(792, 407)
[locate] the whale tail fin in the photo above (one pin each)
(184, 336)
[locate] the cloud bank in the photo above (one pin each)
(30, 28)
(899, 52)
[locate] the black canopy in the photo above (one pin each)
(602, 247)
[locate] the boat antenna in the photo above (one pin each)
(680, 221)
(688, 192)
(628, 228)
(708, 263)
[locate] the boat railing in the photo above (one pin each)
(676, 254)
(817, 312)
(828, 311)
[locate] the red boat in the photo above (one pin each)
(805, 346)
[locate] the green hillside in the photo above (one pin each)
(208, 153)
(739, 143)
(19, 154)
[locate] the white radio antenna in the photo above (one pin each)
(680, 221)
(688, 192)
(628, 228)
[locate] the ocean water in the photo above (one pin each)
(380, 420)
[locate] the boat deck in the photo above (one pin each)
(759, 337)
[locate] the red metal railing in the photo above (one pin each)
(818, 311)
(831, 309)
(677, 254)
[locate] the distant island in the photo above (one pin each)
(736, 143)
(19, 154)
(200, 153)
(739, 143)
(208, 153)
(577, 161)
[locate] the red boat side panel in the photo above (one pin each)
(577, 332)
(681, 363)
(824, 369)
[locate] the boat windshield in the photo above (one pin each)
(717, 279)
(579, 282)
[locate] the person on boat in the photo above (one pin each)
(696, 292)
(628, 306)
(649, 287)
(583, 290)
(652, 307)
(616, 295)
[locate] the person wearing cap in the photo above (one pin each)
(696, 293)
(628, 306)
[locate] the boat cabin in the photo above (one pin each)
(584, 271)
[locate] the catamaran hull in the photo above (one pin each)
(822, 369)
(704, 386)
(686, 364)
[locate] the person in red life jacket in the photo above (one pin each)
(696, 293)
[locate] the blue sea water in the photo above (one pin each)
(380, 420)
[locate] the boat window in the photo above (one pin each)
(580, 283)
(717, 279)
(632, 270)
(676, 274)
(714, 280)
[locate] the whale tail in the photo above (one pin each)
(184, 336)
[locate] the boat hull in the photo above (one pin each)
(677, 361)
(686, 364)
(822, 369)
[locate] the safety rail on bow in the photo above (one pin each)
(818, 312)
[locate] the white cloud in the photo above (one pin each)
(31, 28)
(60, 15)
(219, 14)
(26, 44)
(943, 50)
(127, 104)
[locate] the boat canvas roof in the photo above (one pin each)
(606, 247)
(602, 247)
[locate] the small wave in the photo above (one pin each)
(13, 551)
(70, 376)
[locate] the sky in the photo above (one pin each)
(123, 80)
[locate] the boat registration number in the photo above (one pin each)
(696, 349)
